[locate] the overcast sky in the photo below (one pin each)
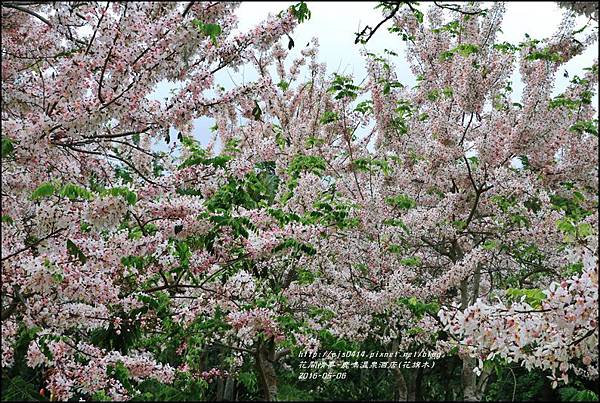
(335, 24)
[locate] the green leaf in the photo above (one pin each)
(45, 190)
(584, 230)
(7, 146)
(300, 11)
(18, 389)
(466, 49)
(571, 394)
(256, 112)
(544, 54)
(566, 226)
(343, 87)
(452, 27)
(533, 296)
(328, 117)
(310, 163)
(364, 106)
(129, 196)
(401, 201)
(210, 30)
(75, 251)
(58, 277)
(506, 47)
(586, 126)
(74, 192)
(411, 261)
(490, 244)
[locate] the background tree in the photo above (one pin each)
(91, 216)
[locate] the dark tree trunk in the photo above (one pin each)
(406, 386)
(401, 386)
(418, 385)
(228, 393)
(267, 379)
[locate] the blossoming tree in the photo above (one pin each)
(461, 220)
(474, 203)
(94, 221)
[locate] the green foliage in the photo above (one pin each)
(370, 164)
(436, 94)
(288, 392)
(544, 54)
(464, 50)
(18, 389)
(199, 156)
(330, 212)
(321, 314)
(404, 35)
(44, 190)
(75, 251)
(396, 222)
(573, 205)
(453, 28)
(401, 201)
(573, 269)
(210, 30)
(184, 389)
(572, 230)
(506, 47)
(305, 277)
(75, 192)
(561, 101)
(20, 382)
(310, 163)
(404, 110)
(248, 379)
(364, 107)
(505, 203)
(533, 296)
(343, 87)
(515, 383)
(388, 85)
(284, 85)
(490, 244)
(124, 173)
(413, 261)
(121, 374)
(300, 11)
(328, 117)
(419, 308)
(571, 394)
(7, 147)
(574, 105)
(123, 192)
(256, 111)
(586, 126)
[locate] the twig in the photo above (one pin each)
(28, 11)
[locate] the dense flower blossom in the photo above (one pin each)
(445, 216)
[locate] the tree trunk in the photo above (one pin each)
(473, 386)
(418, 385)
(228, 393)
(267, 379)
(401, 386)
(469, 380)
(220, 388)
(406, 386)
(412, 386)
